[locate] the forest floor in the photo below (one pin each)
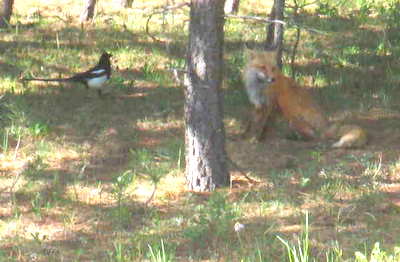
(78, 171)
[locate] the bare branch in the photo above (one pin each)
(297, 5)
(179, 75)
(293, 57)
(269, 21)
(162, 10)
(256, 18)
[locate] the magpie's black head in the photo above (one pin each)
(105, 58)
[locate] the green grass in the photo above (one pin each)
(85, 178)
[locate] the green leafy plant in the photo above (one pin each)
(151, 73)
(325, 8)
(378, 255)
(120, 184)
(299, 252)
(158, 253)
(212, 219)
(121, 253)
(38, 203)
(38, 129)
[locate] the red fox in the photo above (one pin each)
(272, 92)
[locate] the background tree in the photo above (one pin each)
(5, 12)
(206, 157)
(88, 11)
(275, 30)
(125, 3)
(231, 6)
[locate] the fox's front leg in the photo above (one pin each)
(252, 124)
(247, 129)
(258, 123)
(261, 117)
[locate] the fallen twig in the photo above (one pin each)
(18, 175)
(152, 195)
(241, 171)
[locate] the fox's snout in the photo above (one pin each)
(269, 80)
(264, 78)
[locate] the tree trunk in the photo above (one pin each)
(275, 30)
(206, 166)
(88, 11)
(231, 6)
(5, 12)
(125, 3)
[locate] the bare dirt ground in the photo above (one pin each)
(278, 153)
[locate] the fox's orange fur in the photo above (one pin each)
(282, 94)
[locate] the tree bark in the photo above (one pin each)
(5, 12)
(125, 3)
(275, 31)
(88, 11)
(206, 165)
(231, 6)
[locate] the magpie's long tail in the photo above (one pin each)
(70, 79)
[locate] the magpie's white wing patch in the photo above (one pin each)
(98, 71)
(97, 82)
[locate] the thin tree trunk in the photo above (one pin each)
(270, 29)
(5, 12)
(275, 30)
(231, 6)
(206, 166)
(88, 12)
(125, 3)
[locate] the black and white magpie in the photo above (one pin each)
(93, 78)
